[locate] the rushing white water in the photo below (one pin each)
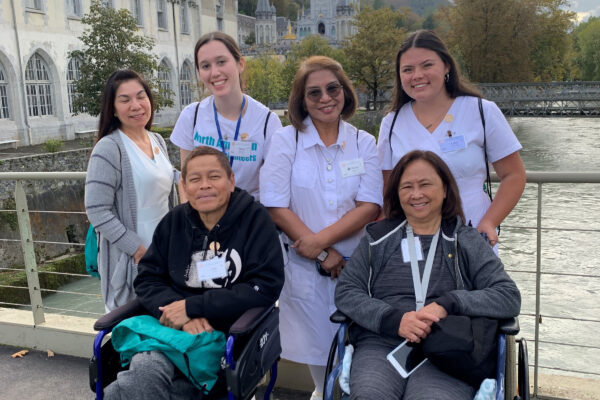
(558, 144)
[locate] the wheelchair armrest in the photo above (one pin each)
(339, 317)
(509, 326)
(250, 320)
(110, 320)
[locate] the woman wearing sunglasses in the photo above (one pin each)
(321, 186)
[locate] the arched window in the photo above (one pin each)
(73, 73)
(186, 84)
(39, 87)
(4, 111)
(321, 28)
(164, 79)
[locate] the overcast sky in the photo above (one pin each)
(585, 8)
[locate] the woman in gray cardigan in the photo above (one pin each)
(411, 270)
(130, 183)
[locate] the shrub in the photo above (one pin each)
(53, 145)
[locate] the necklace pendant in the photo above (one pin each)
(155, 149)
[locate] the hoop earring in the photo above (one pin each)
(447, 77)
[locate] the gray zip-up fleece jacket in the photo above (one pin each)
(111, 207)
(483, 288)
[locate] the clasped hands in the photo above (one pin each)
(174, 316)
(309, 246)
(416, 325)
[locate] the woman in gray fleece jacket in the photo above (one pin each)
(130, 184)
(377, 289)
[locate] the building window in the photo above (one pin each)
(4, 112)
(161, 11)
(73, 73)
(108, 3)
(136, 11)
(185, 21)
(164, 79)
(33, 4)
(38, 87)
(75, 7)
(186, 84)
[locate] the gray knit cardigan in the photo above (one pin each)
(111, 207)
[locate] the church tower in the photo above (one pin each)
(265, 29)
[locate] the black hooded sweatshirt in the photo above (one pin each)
(245, 237)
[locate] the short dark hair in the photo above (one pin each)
(296, 107)
(108, 121)
(452, 205)
(206, 151)
(426, 39)
(224, 38)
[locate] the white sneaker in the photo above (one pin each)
(316, 396)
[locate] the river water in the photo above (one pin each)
(558, 144)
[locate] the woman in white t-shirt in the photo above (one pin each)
(229, 120)
(321, 186)
(130, 184)
(433, 109)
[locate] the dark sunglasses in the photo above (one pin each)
(315, 94)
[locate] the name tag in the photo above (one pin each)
(352, 167)
(211, 269)
(240, 149)
(454, 143)
(406, 252)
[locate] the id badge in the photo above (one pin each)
(453, 143)
(211, 269)
(240, 149)
(352, 167)
(406, 252)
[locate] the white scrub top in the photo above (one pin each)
(252, 129)
(467, 164)
(152, 180)
(296, 176)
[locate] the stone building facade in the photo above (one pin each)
(36, 73)
(329, 18)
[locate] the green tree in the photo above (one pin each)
(586, 46)
(310, 46)
(370, 52)
(509, 40)
(550, 52)
(264, 80)
(111, 42)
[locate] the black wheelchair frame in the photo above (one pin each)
(253, 348)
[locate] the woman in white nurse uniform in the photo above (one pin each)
(321, 186)
(433, 109)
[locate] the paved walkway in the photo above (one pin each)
(38, 377)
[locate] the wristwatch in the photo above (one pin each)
(322, 256)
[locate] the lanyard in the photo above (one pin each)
(237, 127)
(420, 286)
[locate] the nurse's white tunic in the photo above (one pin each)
(468, 164)
(296, 176)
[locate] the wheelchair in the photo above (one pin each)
(253, 348)
(504, 375)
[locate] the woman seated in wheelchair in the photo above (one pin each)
(422, 246)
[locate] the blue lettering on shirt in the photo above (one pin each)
(211, 141)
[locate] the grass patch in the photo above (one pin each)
(73, 264)
(9, 218)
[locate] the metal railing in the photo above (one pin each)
(538, 178)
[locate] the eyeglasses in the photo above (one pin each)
(315, 94)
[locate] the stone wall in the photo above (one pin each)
(50, 195)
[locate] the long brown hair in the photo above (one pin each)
(297, 109)
(456, 85)
(224, 38)
(108, 121)
(452, 205)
